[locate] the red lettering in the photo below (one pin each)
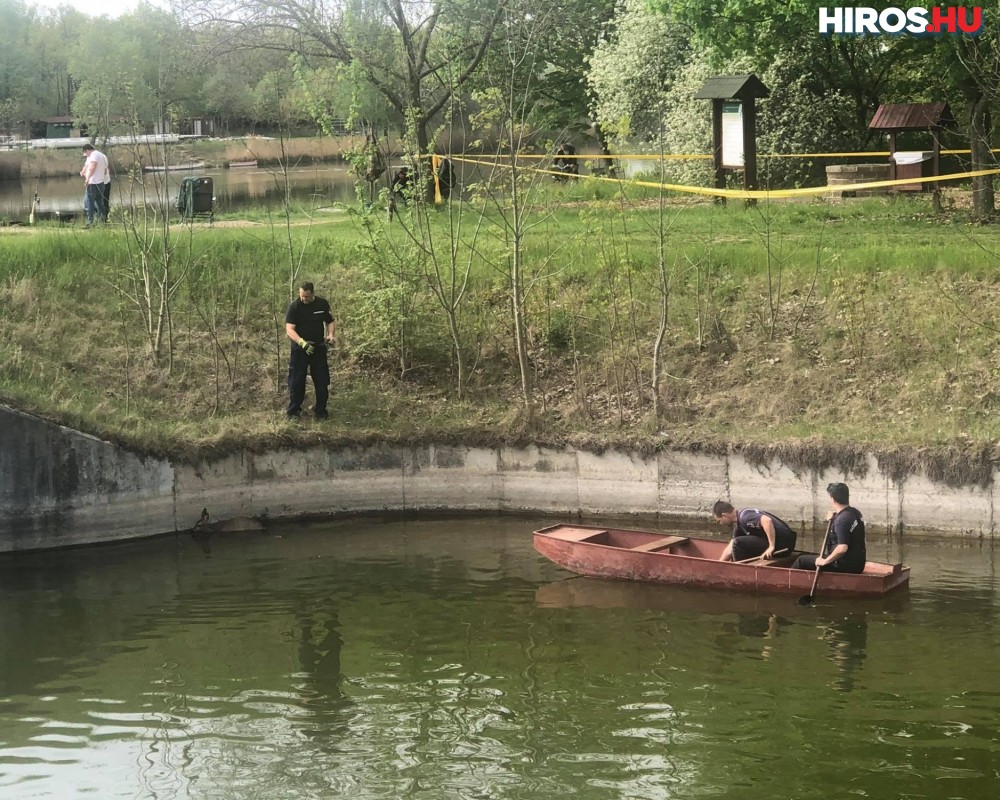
(976, 25)
(944, 20)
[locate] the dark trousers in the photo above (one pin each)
(107, 199)
(808, 561)
(751, 545)
(299, 365)
(96, 206)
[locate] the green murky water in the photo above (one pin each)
(445, 659)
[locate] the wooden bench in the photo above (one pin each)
(659, 544)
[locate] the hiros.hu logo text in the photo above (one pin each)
(917, 20)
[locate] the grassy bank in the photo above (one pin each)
(813, 331)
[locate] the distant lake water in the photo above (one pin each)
(308, 187)
(233, 189)
(443, 658)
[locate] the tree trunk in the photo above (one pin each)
(661, 263)
(520, 332)
(424, 154)
(602, 140)
(517, 293)
(456, 340)
(983, 200)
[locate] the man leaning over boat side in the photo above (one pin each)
(844, 546)
(755, 532)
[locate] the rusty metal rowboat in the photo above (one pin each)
(652, 557)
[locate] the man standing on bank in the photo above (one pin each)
(309, 324)
(95, 173)
(844, 546)
(755, 532)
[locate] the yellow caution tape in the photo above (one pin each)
(850, 187)
(614, 156)
(743, 194)
(857, 155)
(692, 156)
(866, 154)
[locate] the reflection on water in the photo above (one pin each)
(307, 187)
(435, 659)
(847, 640)
(844, 624)
(319, 657)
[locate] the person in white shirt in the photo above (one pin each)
(95, 174)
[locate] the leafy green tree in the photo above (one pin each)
(17, 63)
(52, 39)
(235, 71)
(558, 93)
(867, 69)
(797, 119)
(8, 115)
(965, 70)
(339, 95)
(228, 97)
(140, 68)
(108, 67)
(416, 55)
(509, 193)
(272, 97)
(633, 70)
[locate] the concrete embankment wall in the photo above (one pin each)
(59, 487)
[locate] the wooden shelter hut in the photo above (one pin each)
(896, 118)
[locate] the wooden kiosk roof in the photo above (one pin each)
(912, 117)
(732, 87)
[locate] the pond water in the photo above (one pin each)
(445, 659)
(233, 189)
(309, 187)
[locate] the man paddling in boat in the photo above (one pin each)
(755, 532)
(844, 546)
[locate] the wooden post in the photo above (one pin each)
(742, 89)
(750, 147)
(936, 197)
(892, 159)
(720, 175)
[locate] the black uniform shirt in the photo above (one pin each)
(748, 523)
(309, 319)
(849, 529)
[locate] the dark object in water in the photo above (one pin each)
(231, 525)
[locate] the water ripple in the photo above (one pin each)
(393, 661)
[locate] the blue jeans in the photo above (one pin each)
(96, 204)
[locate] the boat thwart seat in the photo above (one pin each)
(659, 544)
(571, 533)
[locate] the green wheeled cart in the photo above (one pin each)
(196, 198)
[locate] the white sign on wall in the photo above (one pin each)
(732, 134)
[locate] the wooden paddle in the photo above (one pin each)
(808, 599)
(752, 559)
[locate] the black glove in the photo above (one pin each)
(309, 347)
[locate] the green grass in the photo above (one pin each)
(883, 338)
